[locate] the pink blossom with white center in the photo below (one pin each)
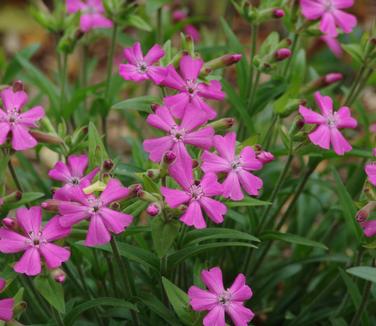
(195, 194)
(236, 167)
(178, 134)
(328, 124)
(92, 14)
(331, 14)
(140, 68)
(103, 220)
(72, 174)
(190, 89)
(35, 241)
(15, 124)
(220, 301)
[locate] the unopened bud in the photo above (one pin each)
(12, 197)
(169, 157)
(46, 138)
(9, 223)
(154, 107)
(51, 205)
(153, 173)
(265, 157)
(135, 189)
(282, 54)
(18, 86)
(108, 165)
(363, 214)
(115, 206)
(220, 62)
(278, 13)
(178, 15)
(146, 196)
(58, 275)
(224, 123)
(333, 78)
(153, 209)
(195, 164)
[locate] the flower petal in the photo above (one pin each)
(193, 118)
(321, 136)
(312, 9)
(29, 263)
(21, 139)
(174, 197)
(177, 103)
(240, 291)
(157, 74)
(173, 79)
(162, 119)
(216, 317)
(339, 143)
(6, 309)
(225, 145)
(212, 91)
(210, 185)
(130, 72)
(250, 183)
(201, 299)
(154, 54)
(202, 138)
(193, 216)
(116, 222)
(98, 233)
(345, 21)
(325, 103)
(190, 68)
(157, 147)
(30, 220)
(248, 159)
(344, 118)
(12, 242)
(13, 100)
(231, 187)
(54, 255)
(214, 163)
(328, 25)
(4, 131)
(53, 230)
(60, 172)
(213, 280)
(30, 117)
(311, 117)
(114, 191)
(240, 315)
(78, 164)
(214, 209)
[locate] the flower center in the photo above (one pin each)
(224, 298)
(331, 120)
(142, 67)
(191, 86)
(35, 240)
(13, 117)
(177, 134)
(95, 205)
(328, 5)
(74, 181)
(196, 191)
(236, 164)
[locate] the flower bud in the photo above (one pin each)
(135, 189)
(265, 157)
(46, 138)
(224, 123)
(363, 214)
(282, 54)
(18, 86)
(51, 205)
(115, 206)
(58, 275)
(153, 173)
(153, 209)
(9, 223)
(195, 164)
(278, 13)
(12, 197)
(146, 196)
(333, 78)
(108, 165)
(154, 107)
(220, 62)
(169, 157)
(178, 15)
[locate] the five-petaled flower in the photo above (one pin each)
(72, 174)
(35, 241)
(219, 300)
(92, 14)
(331, 15)
(190, 89)
(195, 194)
(13, 122)
(328, 123)
(103, 219)
(140, 68)
(236, 167)
(178, 135)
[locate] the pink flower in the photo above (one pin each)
(370, 169)
(195, 194)
(333, 45)
(219, 300)
(235, 166)
(103, 219)
(369, 228)
(190, 90)
(35, 241)
(6, 309)
(265, 157)
(13, 122)
(328, 124)
(92, 14)
(140, 68)
(72, 174)
(331, 15)
(372, 128)
(178, 135)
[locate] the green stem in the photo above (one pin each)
(254, 91)
(125, 270)
(363, 81)
(159, 26)
(84, 71)
(254, 34)
(63, 81)
(363, 304)
(289, 60)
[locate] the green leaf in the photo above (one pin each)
(149, 185)
(139, 22)
(75, 313)
(164, 234)
(180, 302)
(155, 305)
(291, 238)
(347, 205)
(141, 103)
(364, 272)
(27, 198)
(52, 291)
(136, 254)
(97, 151)
(191, 251)
(355, 51)
(197, 236)
(246, 202)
